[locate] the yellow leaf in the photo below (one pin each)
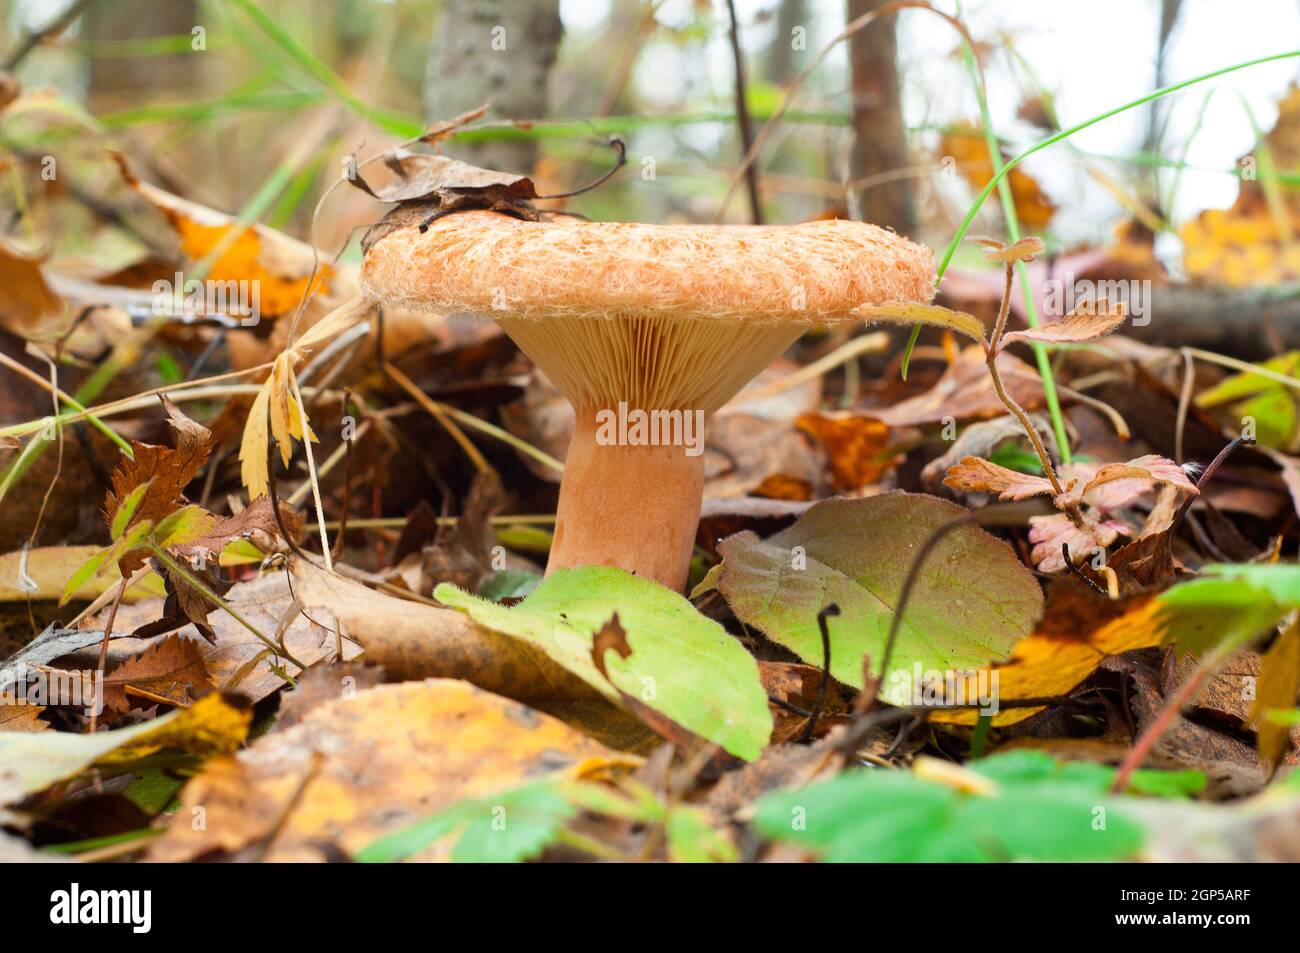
(253, 448)
(1077, 633)
(1279, 682)
(909, 312)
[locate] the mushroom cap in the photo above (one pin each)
(813, 273)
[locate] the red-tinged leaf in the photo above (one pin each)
(1150, 468)
(1047, 533)
(977, 475)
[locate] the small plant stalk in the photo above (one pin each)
(166, 559)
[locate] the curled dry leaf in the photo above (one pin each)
(28, 307)
(1050, 533)
(276, 411)
(1086, 323)
(977, 475)
(275, 264)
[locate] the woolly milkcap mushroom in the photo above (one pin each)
(655, 318)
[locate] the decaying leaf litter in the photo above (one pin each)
(317, 601)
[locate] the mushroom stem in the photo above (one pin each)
(634, 507)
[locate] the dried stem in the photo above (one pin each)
(172, 565)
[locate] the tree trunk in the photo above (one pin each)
(497, 51)
(879, 139)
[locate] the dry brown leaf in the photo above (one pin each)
(28, 308)
(965, 391)
(22, 718)
(321, 684)
(977, 475)
(238, 661)
(167, 471)
(1086, 323)
(50, 567)
(170, 671)
(358, 768)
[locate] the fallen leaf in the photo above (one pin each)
(277, 266)
(854, 446)
(969, 604)
(965, 391)
(965, 144)
(358, 768)
(165, 471)
(22, 718)
(1279, 683)
(28, 308)
(683, 664)
(32, 762)
(49, 568)
(321, 684)
(171, 671)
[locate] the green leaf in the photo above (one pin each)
(1229, 605)
(1027, 766)
(84, 573)
(508, 827)
(971, 601)
(184, 526)
(122, 518)
(891, 816)
(508, 584)
(683, 664)
(692, 839)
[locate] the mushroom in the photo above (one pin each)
(667, 320)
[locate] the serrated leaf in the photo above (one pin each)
(977, 475)
(185, 525)
(683, 664)
(910, 312)
(1078, 326)
(127, 510)
(971, 602)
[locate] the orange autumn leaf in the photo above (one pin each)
(1078, 632)
(280, 266)
(965, 144)
(855, 447)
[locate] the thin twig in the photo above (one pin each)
(828, 610)
(742, 115)
(103, 646)
(52, 29)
